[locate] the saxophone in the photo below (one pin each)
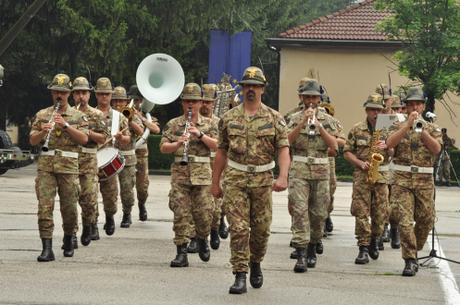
(375, 159)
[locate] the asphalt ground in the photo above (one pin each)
(132, 266)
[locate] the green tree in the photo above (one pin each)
(430, 33)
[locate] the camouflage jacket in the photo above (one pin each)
(412, 151)
(60, 140)
(127, 150)
(359, 142)
(87, 162)
(123, 124)
(251, 140)
(194, 173)
(311, 146)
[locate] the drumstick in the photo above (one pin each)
(111, 137)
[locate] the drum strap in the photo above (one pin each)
(115, 122)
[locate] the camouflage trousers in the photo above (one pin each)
(109, 192)
(88, 198)
(190, 203)
(127, 179)
(368, 201)
(216, 215)
(414, 205)
(307, 204)
(249, 214)
(46, 184)
(332, 188)
(142, 178)
(393, 209)
(444, 170)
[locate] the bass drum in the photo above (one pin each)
(109, 163)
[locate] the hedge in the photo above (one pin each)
(160, 163)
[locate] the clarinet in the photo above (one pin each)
(184, 160)
(56, 108)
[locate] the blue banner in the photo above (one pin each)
(228, 54)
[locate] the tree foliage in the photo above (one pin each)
(109, 38)
(430, 32)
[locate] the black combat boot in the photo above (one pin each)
(203, 249)
(68, 246)
(223, 230)
(192, 246)
(329, 226)
(109, 226)
(239, 286)
(411, 267)
(74, 241)
(256, 278)
(300, 265)
(181, 257)
(380, 245)
(94, 232)
(386, 234)
(47, 254)
(311, 255)
(363, 256)
(86, 235)
(319, 247)
(373, 248)
(215, 240)
(293, 254)
(142, 211)
(126, 220)
(394, 234)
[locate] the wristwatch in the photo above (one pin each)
(201, 135)
(66, 125)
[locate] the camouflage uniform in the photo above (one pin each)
(368, 200)
(247, 199)
(190, 184)
(58, 168)
(87, 162)
(109, 187)
(309, 181)
(413, 192)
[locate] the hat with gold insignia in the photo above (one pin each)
(253, 76)
(209, 92)
(119, 93)
(374, 101)
(60, 82)
(103, 85)
(81, 83)
(191, 91)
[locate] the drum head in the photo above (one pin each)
(106, 155)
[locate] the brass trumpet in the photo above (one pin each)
(311, 124)
(129, 110)
(419, 124)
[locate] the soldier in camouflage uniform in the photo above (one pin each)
(369, 198)
(87, 160)
(311, 134)
(250, 135)
(127, 177)
(189, 196)
(58, 165)
(413, 188)
(121, 135)
(142, 153)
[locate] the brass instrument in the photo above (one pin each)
(311, 124)
(129, 110)
(419, 124)
(375, 159)
(184, 160)
(47, 140)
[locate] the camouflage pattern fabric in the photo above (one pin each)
(58, 172)
(217, 213)
(127, 179)
(142, 175)
(190, 203)
(332, 185)
(247, 199)
(194, 173)
(249, 214)
(88, 198)
(413, 193)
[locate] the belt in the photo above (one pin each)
(310, 160)
(251, 168)
(194, 159)
(62, 153)
(213, 154)
(88, 150)
(385, 168)
(413, 169)
(131, 152)
(143, 146)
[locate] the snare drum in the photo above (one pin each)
(109, 163)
